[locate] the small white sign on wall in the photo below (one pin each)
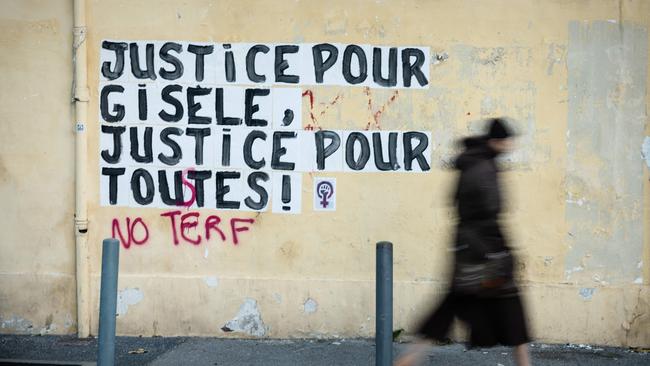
(324, 194)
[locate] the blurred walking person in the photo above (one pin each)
(482, 293)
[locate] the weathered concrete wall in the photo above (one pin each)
(573, 75)
(37, 284)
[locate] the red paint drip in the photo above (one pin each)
(333, 102)
(312, 115)
(190, 186)
(309, 94)
(377, 115)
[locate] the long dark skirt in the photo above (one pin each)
(491, 321)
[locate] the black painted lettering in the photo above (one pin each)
(223, 189)
(167, 97)
(250, 63)
(288, 117)
(391, 164)
(193, 107)
(142, 102)
(321, 66)
(117, 132)
(281, 64)
(199, 176)
(199, 135)
(286, 192)
(279, 150)
(135, 146)
(347, 64)
(229, 67)
(322, 151)
(163, 188)
(416, 153)
(118, 109)
(199, 63)
(177, 152)
(175, 61)
(413, 69)
(251, 108)
(253, 180)
(219, 113)
(136, 187)
(137, 71)
(225, 149)
(248, 149)
(112, 174)
(118, 69)
(360, 162)
(391, 80)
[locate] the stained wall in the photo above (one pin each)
(573, 76)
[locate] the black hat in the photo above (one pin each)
(498, 129)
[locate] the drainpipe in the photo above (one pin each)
(80, 99)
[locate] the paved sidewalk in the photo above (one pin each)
(160, 351)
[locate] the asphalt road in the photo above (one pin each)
(159, 351)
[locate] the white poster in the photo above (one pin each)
(287, 193)
(219, 125)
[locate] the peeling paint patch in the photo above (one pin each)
(587, 292)
(206, 252)
(310, 306)
(68, 322)
(488, 107)
(490, 56)
(607, 70)
(17, 324)
(556, 55)
(126, 298)
(49, 325)
(49, 328)
(277, 297)
(211, 281)
(374, 30)
(548, 260)
(477, 62)
(248, 320)
(638, 281)
(568, 272)
(645, 150)
(574, 200)
(597, 279)
(336, 25)
(439, 58)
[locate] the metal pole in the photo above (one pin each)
(384, 311)
(108, 302)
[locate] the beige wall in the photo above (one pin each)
(37, 264)
(574, 76)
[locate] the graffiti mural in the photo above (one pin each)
(219, 126)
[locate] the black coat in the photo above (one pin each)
(478, 200)
(494, 311)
